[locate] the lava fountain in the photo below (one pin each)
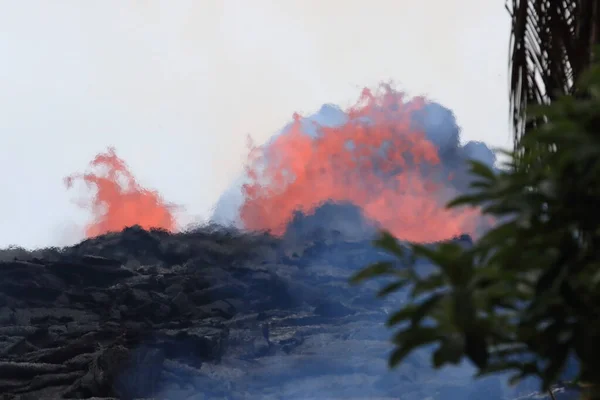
(398, 159)
(119, 201)
(380, 159)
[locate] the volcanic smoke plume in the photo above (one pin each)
(397, 159)
(119, 201)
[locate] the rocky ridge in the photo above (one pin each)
(207, 314)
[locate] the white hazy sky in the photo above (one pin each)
(177, 85)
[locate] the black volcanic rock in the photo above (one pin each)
(207, 314)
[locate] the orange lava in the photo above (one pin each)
(119, 201)
(404, 188)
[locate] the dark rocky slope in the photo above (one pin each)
(206, 314)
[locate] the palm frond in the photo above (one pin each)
(551, 44)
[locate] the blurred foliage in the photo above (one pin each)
(525, 297)
(551, 45)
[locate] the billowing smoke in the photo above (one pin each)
(398, 159)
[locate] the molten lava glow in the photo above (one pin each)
(376, 160)
(119, 200)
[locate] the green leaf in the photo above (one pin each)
(501, 366)
(472, 200)
(500, 234)
(451, 351)
(409, 340)
(398, 355)
(440, 256)
(481, 184)
(392, 287)
(476, 348)
(555, 365)
(388, 242)
(372, 271)
(404, 314)
(432, 282)
(415, 312)
(526, 369)
(426, 307)
(481, 169)
(548, 278)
